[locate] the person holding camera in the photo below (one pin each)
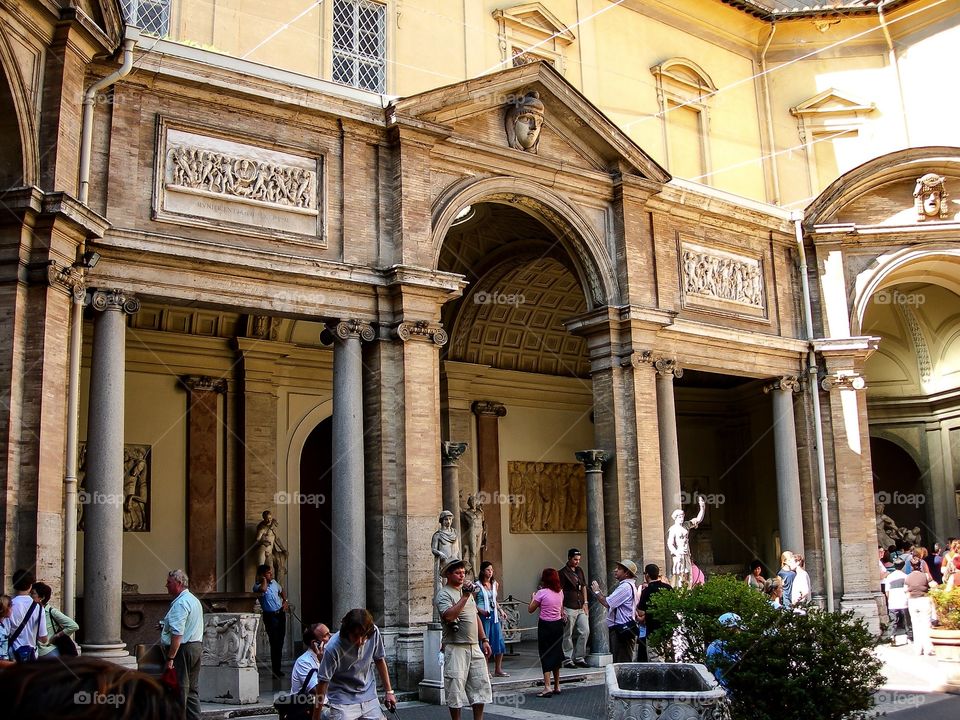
(465, 644)
(621, 607)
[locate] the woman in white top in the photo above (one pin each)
(489, 609)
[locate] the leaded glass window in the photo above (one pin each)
(359, 44)
(151, 16)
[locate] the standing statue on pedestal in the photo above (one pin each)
(678, 544)
(270, 551)
(473, 530)
(445, 547)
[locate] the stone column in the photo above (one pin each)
(349, 546)
(202, 463)
(488, 415)
(450, 453)
(103, 493)
(667, 370)
(596, 553)
(788, 469)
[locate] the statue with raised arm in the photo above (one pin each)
(678, 544)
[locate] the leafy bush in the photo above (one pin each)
(816, 665)
(947, 603)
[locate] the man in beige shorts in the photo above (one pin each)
(465, 647)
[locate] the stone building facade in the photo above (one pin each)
(293, 295)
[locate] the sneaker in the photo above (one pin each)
(582, 663)
(569, 664)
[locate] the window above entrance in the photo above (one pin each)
(359, 44)
(151, 16)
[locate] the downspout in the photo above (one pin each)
(814, 387)
(774, 174)
(131, 35)
(896, 68)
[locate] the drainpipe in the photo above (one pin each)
(896, 68)
(775, 175)
(814, 386)
(131, 35)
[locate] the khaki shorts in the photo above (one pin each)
(369, 710)
(465, 677)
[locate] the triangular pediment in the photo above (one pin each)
(535, 19)
(574, 131)
(831, 102)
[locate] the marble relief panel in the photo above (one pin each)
(716, 279)
(549, 497)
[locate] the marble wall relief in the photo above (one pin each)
(547, 497)
(237, 187)
(136, 488)
(715, 279)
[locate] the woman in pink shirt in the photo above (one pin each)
(549, 598)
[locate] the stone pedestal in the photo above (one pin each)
(228, 668)
(431, 687)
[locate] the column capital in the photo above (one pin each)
(787, 383)
(420, 330)
(844, 380)
(68, 278)
(450, 452)
(204, 383)
(117, 300)
(352, 328)
(593, 460)
(488, 407)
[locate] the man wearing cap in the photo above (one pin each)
(574, 585)
(719, 658)
(621, 607)
(654, 584)
(465, 647)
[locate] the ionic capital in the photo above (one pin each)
(115, 300)
(592, 460)
(662, 365)
(450, 452)
(489, 407)
(204, 383)
(787, 383)
(347, 329)
(421, 330)
(68, 278)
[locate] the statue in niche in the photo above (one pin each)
(523, 122)
(678, 544)
(887, 531)
(135, 488)
(444, 545)
(473, 530)
(930, 197)
(913, 537)
(270, 551)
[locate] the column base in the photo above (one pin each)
(863, 606)
(599, 660)
(111, 653)
(431, 688)
(432, 692)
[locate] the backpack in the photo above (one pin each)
(297, 706)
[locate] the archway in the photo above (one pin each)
(316, 579)
(898, 485)
(11, 141)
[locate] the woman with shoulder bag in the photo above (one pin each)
(919, 606)
(60, 643)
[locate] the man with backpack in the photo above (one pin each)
(24, 626)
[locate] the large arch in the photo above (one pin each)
(19, 156)
(587, 250)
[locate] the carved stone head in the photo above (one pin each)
(523, 122)
(930, 197)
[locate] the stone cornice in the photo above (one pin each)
(59, 205)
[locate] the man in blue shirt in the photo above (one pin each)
(182, 640)
(273, 603)
(719, 658)
(346, 677)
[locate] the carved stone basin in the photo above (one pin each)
(678, 691)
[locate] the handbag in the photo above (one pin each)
(24, 653)
(169, 678)
(297, 706)
(64, 644)
(628, 630)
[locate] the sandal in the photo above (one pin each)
(501, 674)
(545, 694)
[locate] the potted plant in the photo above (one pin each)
(946, 635)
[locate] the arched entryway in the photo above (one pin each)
(316, 579)
(898, 487)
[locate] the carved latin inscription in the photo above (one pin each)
(721, 280)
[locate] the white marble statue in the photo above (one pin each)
(445, 545)
(678, 544)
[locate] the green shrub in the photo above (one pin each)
(947, 603)
(816, 665)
